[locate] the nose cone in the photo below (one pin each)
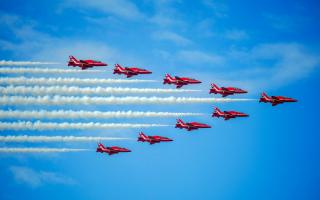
(197, 81)
(147, 72)
(294, 100)
(127, 150)
(243, 91)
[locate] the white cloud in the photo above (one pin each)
(172, 37)
(166, 15)
(292, 61)
(287, 23)
(36, 45)
(198, 57)
(205, 27)
(34, 179)
(120, 8)
(219, 9)
(236, 34)
(272, 65)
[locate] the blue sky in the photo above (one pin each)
(267, 46)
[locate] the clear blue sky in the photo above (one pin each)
(270, 46)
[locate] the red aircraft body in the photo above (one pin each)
(111, 150)
(190, 125)
(152, 139)
(275, 100)
(129, 71)
(179, 81)
(227, 114)
(225, 91)
(84, 64)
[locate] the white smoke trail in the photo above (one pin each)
(40, 126)
(6, 70)
(63, 100)
(20, 63)
(27, 138)
(65, 90)
(39, 150)
(69, 114)
(66, 81)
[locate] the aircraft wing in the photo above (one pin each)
(275, 98)
(130, 75)
(276, 103)
(180, 79)
(83, 67)
(225, 94)
(191, 126)
(129, 70)
(224, 88)
(179, 85)
(154, 141)
(84, 61)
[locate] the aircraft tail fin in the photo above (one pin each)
(264, 95)
(168, 77)
(100, 145)
(179, 121)
(73, 59)
(142, 135)
(118, 66)
(214, 86)
(217, 110)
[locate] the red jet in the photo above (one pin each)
(129, 71)
(111, 150)
(179, 81)
(275, 100)
(190, 125)
(84, 64)
(227, 114)
(153, 139)
(225, 91)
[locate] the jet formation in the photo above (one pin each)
(84, 64)
(152, 139)
(225, 91)
(190, 125)
(129, 71)
(111, 150)
(227, 114)
(275, 100)
(178, 82)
